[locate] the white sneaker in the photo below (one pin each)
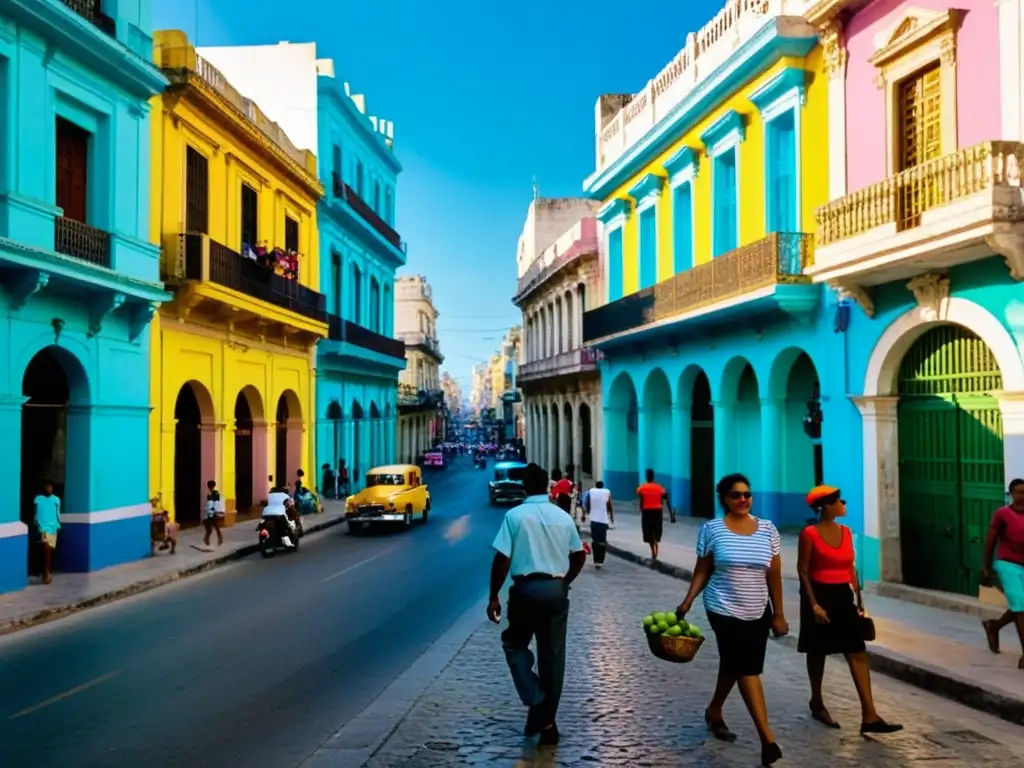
(286, 540)
(599, 566)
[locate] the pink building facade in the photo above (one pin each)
(923, 244)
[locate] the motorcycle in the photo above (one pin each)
(279, 531)
(480, 462)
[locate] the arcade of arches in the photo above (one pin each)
(564, 429)
(364, 437)
(415, 435)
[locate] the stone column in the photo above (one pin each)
(13, 533)
(596, 439)
(563, 435)
(773, 446)
(882, 482)
(577, 438)
(725, 418)
(835, 58)
(1011, 406)
(679, 495)
(643, 429)
(1011, 72)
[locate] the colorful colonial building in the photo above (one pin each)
(421, 401)
(558, 265)
(234, 204)
(80, 279)
(924, 238)
(719, 351)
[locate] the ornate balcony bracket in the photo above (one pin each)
(932, 294)
(25, 285)
(140, 317)
(101, 306)
(1009, 245)
(856, 293)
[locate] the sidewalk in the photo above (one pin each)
(73, 592)
(939, 650)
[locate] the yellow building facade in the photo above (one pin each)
(234, 208)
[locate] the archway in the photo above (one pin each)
(799, 463)
(738, 423)
(288, 439)
(658, 437)
(587, 440)
(334, 417)
(567, 425)
(375, 435)
(194, 451)
(555, 458)
(702, 446)
(951, 477)
(53, 380)
(250, 450)
(621, 453)
(356, 457)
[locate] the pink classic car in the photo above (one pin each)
(434, 460)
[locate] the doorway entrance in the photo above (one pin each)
(188, 457)
(702, 449)
(243, 455)
(44, 432)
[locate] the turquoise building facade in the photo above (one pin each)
(358, 364)
(81, 279)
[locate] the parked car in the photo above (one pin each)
(507, 486)
(393, 494)
(435, 460)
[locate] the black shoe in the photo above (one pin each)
(549, 736)
(534, 722)
(770, 754)
(880, 726)
(718, 729)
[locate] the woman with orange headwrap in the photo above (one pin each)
(832, 610)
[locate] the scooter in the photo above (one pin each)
(480, 462)
(275, 534)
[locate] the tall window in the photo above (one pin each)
(374, 305)
(197, 192)
(682, 227)
(389, 207)
(336, 284)
(291, 234)
(724, 221)
(920, 133)
(615, 264)
(359, 178)
(648, 247)
(376, 197)
(782, 192)
(72, 169)
(357, 295)
(336, 160)
(250, 215)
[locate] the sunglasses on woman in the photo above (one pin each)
(736, 495)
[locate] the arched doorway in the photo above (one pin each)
(250, 450)
(587, 440)
(288, 439)
(658, 435)
(357, 429)
(375, 435)
(567, 426)
(53, 380)
(802, 465)
(702, 448)
(334, 417)
(193, 451)
(621, 441)
(951, 462)
(555, 456)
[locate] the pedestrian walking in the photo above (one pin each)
(214, 517)
(343, 482)
(653, 500)
(561, 491)
(602, 517)
(539, 546)
(1004, 560)
(832, 619)
(47, 520)
(739, 570)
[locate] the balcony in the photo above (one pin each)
(73, 238)
(952, 210)
(751, 285)
(428, 344)
(583, 360)
(91, 11)
(577, 244)
(346, 331)
(366, 213)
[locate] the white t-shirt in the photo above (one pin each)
(599, 498)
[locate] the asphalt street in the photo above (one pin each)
(254, 664)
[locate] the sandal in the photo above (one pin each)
(718, 729)
(822, 715)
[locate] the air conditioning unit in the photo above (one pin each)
(185, 257)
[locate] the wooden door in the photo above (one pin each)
(72, 169)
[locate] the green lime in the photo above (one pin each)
(670, 617)
(654, 629)
(674, 631)
(648, 620)
(662, 626)
(659, 617)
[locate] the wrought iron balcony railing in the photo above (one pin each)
(350, 196)
(340, 329)
(73, 238)
(92, 11)
(574, 361)
(903, 198)
(230, 269)
(777, 259)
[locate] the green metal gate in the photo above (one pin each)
(951, 457)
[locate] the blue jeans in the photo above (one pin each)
(599, 535)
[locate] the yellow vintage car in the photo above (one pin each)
(392, 494)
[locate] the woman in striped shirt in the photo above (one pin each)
(738, 569)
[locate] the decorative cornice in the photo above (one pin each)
(731, 122)
(683, 160)
(617, 206)
(915, 30)
(788, 79)
(327, 86)
(650, 185)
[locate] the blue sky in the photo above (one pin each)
(484, 95)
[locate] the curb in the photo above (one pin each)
(138, 587)
(932, 679)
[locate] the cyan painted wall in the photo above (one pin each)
(376, 437)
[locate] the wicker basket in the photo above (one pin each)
(678, 650)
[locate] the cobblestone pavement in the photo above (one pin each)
(622, 707)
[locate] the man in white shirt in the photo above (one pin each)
(539, 546)
(599, 506)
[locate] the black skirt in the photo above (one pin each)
(651, 525)
(742, 644)
(843, 633)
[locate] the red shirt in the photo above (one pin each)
(562, 486)
(1009, 525)
(830, 565)
(651, 495)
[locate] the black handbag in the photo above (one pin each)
(867, 629)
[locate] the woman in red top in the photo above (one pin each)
(831, 608)
(1004, 555)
